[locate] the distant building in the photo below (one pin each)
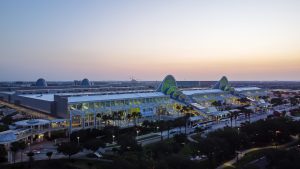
(85, 82)
(86, 106)
(41, 83)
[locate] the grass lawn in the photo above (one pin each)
(251, 157)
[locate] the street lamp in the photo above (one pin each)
(237, 156)
(276, 133)
(78, 140)
(137, 133)
(113, 137)
(157, 128)
(29, 147)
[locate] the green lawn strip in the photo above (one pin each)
(249, 157)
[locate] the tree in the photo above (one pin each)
(22, 146)
(49, 154)
(105, 118)
(216, 103)
(3, 153)
(3, 128)
(199, 130)
(14, 148)
(136, 115)
(213, 148)
(7, 120)
(244, 100)
(294, 101)
(180, 138)
(162, 126)
(94, 144)
(179, 122)
(128, 142)
(276, 101)
(68, 148)
(169, 125)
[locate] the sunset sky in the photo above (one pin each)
(116, 40)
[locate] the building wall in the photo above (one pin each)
(41, 105)
(61, 106)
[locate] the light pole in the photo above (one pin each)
(276, 133)
(78, 140)
(137, 133)
(113, 137)
(29, 147)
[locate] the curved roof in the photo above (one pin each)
(41, 82)
(85, 82)
(169, 87)
(7, 136)
(32, 122)
(168, 82)
(223, 84)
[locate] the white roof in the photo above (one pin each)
(7, 136)
(75, 99)
(195, 118)
(58, 120)
(212, 109)
(219, 113)
(206, 91)
(240, 89)
(45, 97)
(198, 106)
(32, 122)
(50, 96)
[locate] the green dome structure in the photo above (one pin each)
(169, 87)
(223, 84)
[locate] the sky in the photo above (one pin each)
(146, 40)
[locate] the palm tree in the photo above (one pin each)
(162, 126)
(168, 124)
(105, 118)
(14, 148)
(236, 114)
(129, 116)
(136, 116)
(231, 118)
(249, 112)
(98, 116)
(22, 146)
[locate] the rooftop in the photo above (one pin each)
(75, 99)
(204, 91)
(32, 122)
(240, 89)
(45, 97)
